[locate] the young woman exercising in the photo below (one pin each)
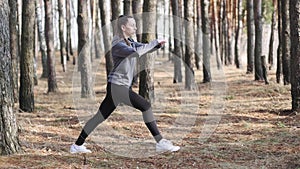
(124, 53)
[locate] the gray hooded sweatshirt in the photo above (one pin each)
(124, 59)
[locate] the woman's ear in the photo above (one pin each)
(123, 27)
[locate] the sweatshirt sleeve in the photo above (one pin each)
(143, 48)
(123, 50)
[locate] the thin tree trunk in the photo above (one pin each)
(198, 44)
(127, 7)
(98, 33)
(279, 49)
(14, 46)
(8, 126)
(258, 40)
(237, 35)
(69, 49)
(116, 12)
(206, 44)
(146, 86)
(295, 53)
(216, 34)
(177, 46)
(63, 56)
(106, 32)
(137, 14)
(26, 96)
(250, 36)
(189, 43)
(271, 44)
(41, 35)
(52, 83)
(286, 44)
(84, 55)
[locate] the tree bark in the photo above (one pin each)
(206, 42)
(41, 35)
(69, 49)
(237, 35)
(286, 44)
(8, 127)
(198, 44)
(14, 46)
(189, 43)
(63, 56)
(271, 44)
(279, 49)
(127, 7)
(146, 86)
(295, 53)
(84, 54)
(26, 95)
(258, 75)
(250, 36)
(52, 83)
(106, 32)
(177, 46)
(116, 12)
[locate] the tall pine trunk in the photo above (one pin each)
(286, 44)
(206, 42)
(146, 86)
(26, 96)
(189, 43)
(279, 49)
(295, 53)
(8, 127)
(14, 46)
(258, 40)
(177, 46)
(84, 55)
(52, 83)
(250, 37)
(63, 56)
(238, 34)
(105, 20)
(271, 44)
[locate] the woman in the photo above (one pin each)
(118, 90)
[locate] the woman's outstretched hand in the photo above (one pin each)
(161, 41)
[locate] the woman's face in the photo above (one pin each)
(129, 28)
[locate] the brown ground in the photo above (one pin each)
(230, 123)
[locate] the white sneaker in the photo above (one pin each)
(166, 145)
(79, 149)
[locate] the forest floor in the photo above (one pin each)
(232, 122)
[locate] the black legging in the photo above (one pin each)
(116, 94)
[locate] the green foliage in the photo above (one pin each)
(267, 10)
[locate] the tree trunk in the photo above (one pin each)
(52, 84)
(279, 49)
(105, 20)
(63, 55)
(295, 53)
(177, 46)
(286, 44)
(14, 46)
(198, 44)
(258, 40)
(216, 33)
(206, 43)
(8, 127)
(189, 43)
(137, 14)
(127, 7)
(69, 49)
(41, 35)
(250, 36)
(146, 86)
(237, 35)
(271, 44)
(84, 55)
(116, 12)
(26, 96)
